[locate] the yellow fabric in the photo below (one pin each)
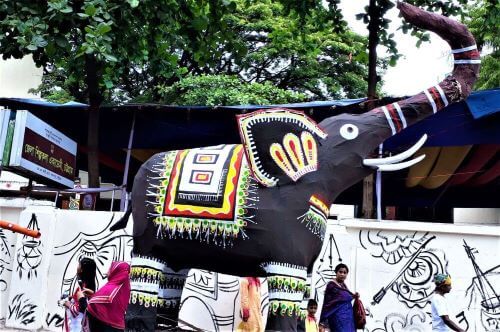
(419, 171)
(250, 299)
(311, 325)
(449, 160)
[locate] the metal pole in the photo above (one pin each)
(378, 185)
(112, 200)
(123, 197)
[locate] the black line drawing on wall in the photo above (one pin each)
(391, 247)
(209, 289)
(29, 256)
(6, 252)
(462, 320)
(54, 320)
(416, 286)
(485, 289)
(22, 310)
(4, 244)
(325, 271)
(415, 320)
(413, 284)
(102, 246)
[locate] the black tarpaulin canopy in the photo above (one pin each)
(166, 127)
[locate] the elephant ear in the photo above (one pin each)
(281, 145)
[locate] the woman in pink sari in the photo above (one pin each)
(106, 308)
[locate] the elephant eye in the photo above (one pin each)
(349, 131)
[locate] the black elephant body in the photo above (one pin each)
(260, 208)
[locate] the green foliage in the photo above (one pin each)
(302, 53)
(141, 46)
(215, 90)
(489, 76)
(381, 24)
(122, 45)
(483, 20)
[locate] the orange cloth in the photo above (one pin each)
(250, 305)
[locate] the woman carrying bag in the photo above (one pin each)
(338, 313)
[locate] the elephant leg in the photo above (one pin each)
(169, 296)
(286, 284)
(155, 289)
(306, 296)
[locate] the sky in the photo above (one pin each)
(419, 68)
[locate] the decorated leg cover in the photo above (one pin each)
(286, 284)
(155, 290)
(169, 296)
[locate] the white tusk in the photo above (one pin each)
(398, 157)
(397, 167)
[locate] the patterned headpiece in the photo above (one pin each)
(442, 279)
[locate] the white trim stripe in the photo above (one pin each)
(441, 93)
(296, 297)
(467, 62)
(139, 286)
(431, 101)
(465, 49)
(285, 270)
(401, 115)
(139, 261)
(389, 119)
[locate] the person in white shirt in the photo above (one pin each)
(441, 321)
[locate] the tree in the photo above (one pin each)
(263, 41)
(313, 54)
(482, 19)
(98, 46)
(215, 90)
(97, 50)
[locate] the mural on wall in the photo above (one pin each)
(79, 236)
(215, 299)
(414, 320)
(101, 245)
(485, 290)
(413, 283)
(22, 309)
(28, 288)
(6, 250)
(29, 255)
(45, 269)
(325, 270)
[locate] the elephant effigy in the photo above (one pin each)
(260, 208)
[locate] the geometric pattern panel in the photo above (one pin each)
(204, 193)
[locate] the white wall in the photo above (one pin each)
(17, 76)
(477, 215)
(397, 260)
(394, 259)
(397, 257)
(43, 269)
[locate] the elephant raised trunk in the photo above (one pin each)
(361, 134)
(260, 208)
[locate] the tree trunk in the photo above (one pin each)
(95, 99)
(373, 27)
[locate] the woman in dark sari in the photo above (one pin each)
(337, 311)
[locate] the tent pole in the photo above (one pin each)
(378, 186)
(123, 197)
